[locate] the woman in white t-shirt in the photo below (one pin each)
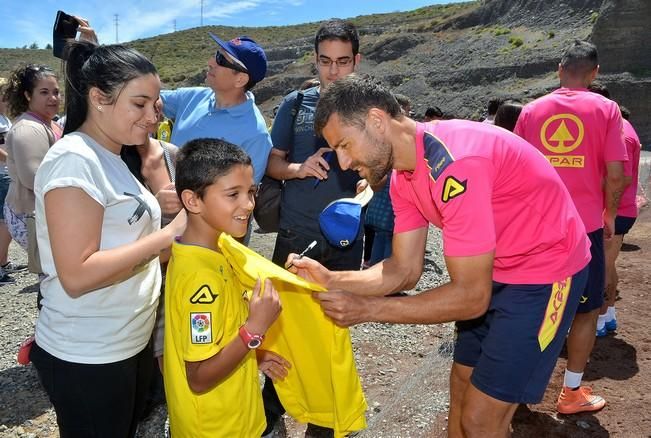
(99, 238)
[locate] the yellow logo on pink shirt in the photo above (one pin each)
(561, 134)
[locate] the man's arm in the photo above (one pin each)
(614, 187)
(466, 296)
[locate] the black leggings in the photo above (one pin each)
(95, 401)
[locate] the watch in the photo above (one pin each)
(250, 340)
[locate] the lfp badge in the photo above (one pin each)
(201, 328)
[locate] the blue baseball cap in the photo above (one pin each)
(248, 53)
(341, 220)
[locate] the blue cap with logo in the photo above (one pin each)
(248, 53)
(341, 220)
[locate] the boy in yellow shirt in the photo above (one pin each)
(211, 326)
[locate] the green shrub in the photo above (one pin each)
(593, 17)
(501, 31)
(516, 41)
(551, 34)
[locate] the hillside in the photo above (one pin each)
(453, 56)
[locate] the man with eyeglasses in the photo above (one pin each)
(226, 108)
(312, 176)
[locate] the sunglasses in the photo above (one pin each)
(221, 60)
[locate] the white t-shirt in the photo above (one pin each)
(115, 322)
(5, 125)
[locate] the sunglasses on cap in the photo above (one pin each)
(221, 60)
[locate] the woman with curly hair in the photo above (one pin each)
(33, 98)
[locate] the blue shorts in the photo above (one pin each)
(5, 180)
(593, 296)
(623, 224)
(514, 346)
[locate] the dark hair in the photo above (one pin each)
(309, 83)
(107, 68)
(599, 88)
(433, 111)
(507, 114)
(23, 80)
(337, 29)
(352, 97)
(580, 58)
(493, 104)
(403, 100)
(201, 161)
(626, 113)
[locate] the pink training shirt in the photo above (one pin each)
(488, 189)
(627, 205)
(579, 132)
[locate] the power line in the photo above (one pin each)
(116, 21)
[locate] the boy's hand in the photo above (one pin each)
(263, 309)
(272, 365)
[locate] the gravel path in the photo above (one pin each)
(404, 369)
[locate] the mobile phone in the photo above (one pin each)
(65, 28)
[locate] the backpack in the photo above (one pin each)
(267, 199)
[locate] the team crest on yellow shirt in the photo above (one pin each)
(203, 295)
(201, 328)
(560, 135)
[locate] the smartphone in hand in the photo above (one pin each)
(65, 28)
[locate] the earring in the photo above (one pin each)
(99, 107)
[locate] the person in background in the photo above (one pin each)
(433, 113)
(507, 114)
(491, 109)
(6, 267)
(99, 235)
(226, 108)
(33, 99)
(626, 216)
(312, 176)
(153, 164)
(580, 133)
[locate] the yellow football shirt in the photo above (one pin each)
(323, 386)
(205, 305)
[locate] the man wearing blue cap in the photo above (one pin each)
(225, 109)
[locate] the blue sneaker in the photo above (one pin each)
(602, 332)
(611, 325)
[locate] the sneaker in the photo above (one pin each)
(579, 400)
(279, 430)
(601, 332)
(13, 267)
(24, 349)
(611, 325)
(6, 279)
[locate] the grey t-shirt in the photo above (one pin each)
(302, 201)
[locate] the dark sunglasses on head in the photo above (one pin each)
(220, 59)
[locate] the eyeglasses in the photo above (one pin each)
(344, 61)
(221, 60)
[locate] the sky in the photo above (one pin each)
(30, 21)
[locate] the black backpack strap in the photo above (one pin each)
(297, 105)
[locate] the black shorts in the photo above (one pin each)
(513, 348)
(593, 296)
(623, 224)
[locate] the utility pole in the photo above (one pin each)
(116, 20)
(174, 25)
(201, 12)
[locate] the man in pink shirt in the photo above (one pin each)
(515, 248)
(626, 216)
(580, 133)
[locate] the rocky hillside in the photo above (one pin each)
(453, 56)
